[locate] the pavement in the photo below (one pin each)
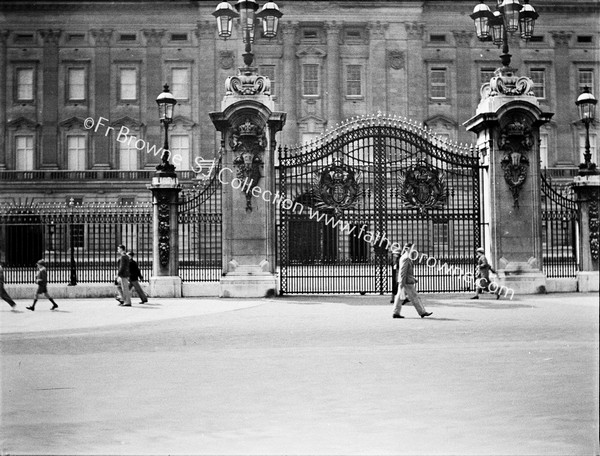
(307, 375)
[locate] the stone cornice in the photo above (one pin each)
(377, 30)
(153, 36)
(462, 38)
(561, 38)
(415, 30)
(102, 37)
(50, 36)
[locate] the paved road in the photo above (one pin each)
(302, 375)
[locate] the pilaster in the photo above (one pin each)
(564, 117)
(207, 85)
(154, 84)
(49, 145)
(377, 64)
(463, 41)
(3, 97)
(334, 75)
(289, 88)
(416, 89)
(101, 95)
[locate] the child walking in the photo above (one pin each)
(42, 282)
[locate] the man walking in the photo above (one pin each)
(396, 252)
(483, 275)
(406, 284)
(3, 294)
(134, 278)
(42, 282)
(122, 280)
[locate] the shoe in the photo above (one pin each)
(143, 302)
(119, 300)
(497, 296)
(426, 314)
(125, 305)
(397, 316)
(475, 297)
(30, 308)
(54, 307)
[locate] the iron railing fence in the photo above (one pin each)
(560, 219)
(77, 241)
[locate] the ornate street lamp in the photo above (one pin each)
(586, 102)
(246, 10)
(509, 17)
(166, 105)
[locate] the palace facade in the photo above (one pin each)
(79, 80)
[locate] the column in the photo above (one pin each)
(207, 86)
(416, 89)
(377, 68)
(101, 96)
(463, 81)
(49, 144)
(334, 75)
(564, 117)
(3, 98)
(288, 85)
(154, 86)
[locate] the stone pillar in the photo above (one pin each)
(416, 91)
(564, 117)
(100, 97)
(3, 98)
(463, 40)
(248, 126)
(165, 281)
(207, 83)
(288, 87)
(49, 145)
(154, 84)
(507, 128)
(377, 68)
(587, 188)
(334, 75)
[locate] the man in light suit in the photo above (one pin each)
(406, 285)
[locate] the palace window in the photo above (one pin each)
(538, 76)
(544, 150)
(438, 84)
(354, 80)
(76, 151)
(128, 84)
(128, 155)
(180, 83)
(585, 79)
(593, 150)
(485, 75)
(76, 84)
(269, 71)
(24, 153)
(310, 79)
(180, 151)
(25, 84)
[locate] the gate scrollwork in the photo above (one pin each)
(337, 188)
(423, 187)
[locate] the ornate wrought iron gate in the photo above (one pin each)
(359, 189)
(559, 230)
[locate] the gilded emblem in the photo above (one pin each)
(423, 188)
(337, 188)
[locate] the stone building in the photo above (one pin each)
(79, 79)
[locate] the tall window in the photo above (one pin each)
(24, 152)
(310, 79)
(585, 79)
(269, 71)
(25, 87)
(76, 150)
(438, 87)
(128, 155)
(544, 150)
(128, 84)
(593, 150)
(76, 84)
(354, 80)
(180, 83)
(538, 76)
(180, 148)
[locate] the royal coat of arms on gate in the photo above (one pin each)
(423, 187)
(337, 188)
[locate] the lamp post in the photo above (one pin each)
(509, 17)
(73, 276)
(586, 102)
(246, 10)
(166, 105)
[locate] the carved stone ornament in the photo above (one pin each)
(423, 188)
(164, 229)
(226, 59)
(516, 139)
(336, 188)
(248, 82)
(505, 82)
(593, 225)
(396, 59)
(248, 143)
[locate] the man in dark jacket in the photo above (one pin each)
(122, 279)
(3, 294)
(134, 278)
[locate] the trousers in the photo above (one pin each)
(409, 292)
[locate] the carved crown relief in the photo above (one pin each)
(516, 141)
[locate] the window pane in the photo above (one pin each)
(438, 83)
(538, 76)
(311, 79)
(180, 146)
(586, 79)
(486, 75)
(593, 151)
(24, 153)
(180, 83)
(269, 71)
(76, 80)
(353, 80)
(25, 84)
(128, 155)
(128, 84)
(76, 151)
(543, 150)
